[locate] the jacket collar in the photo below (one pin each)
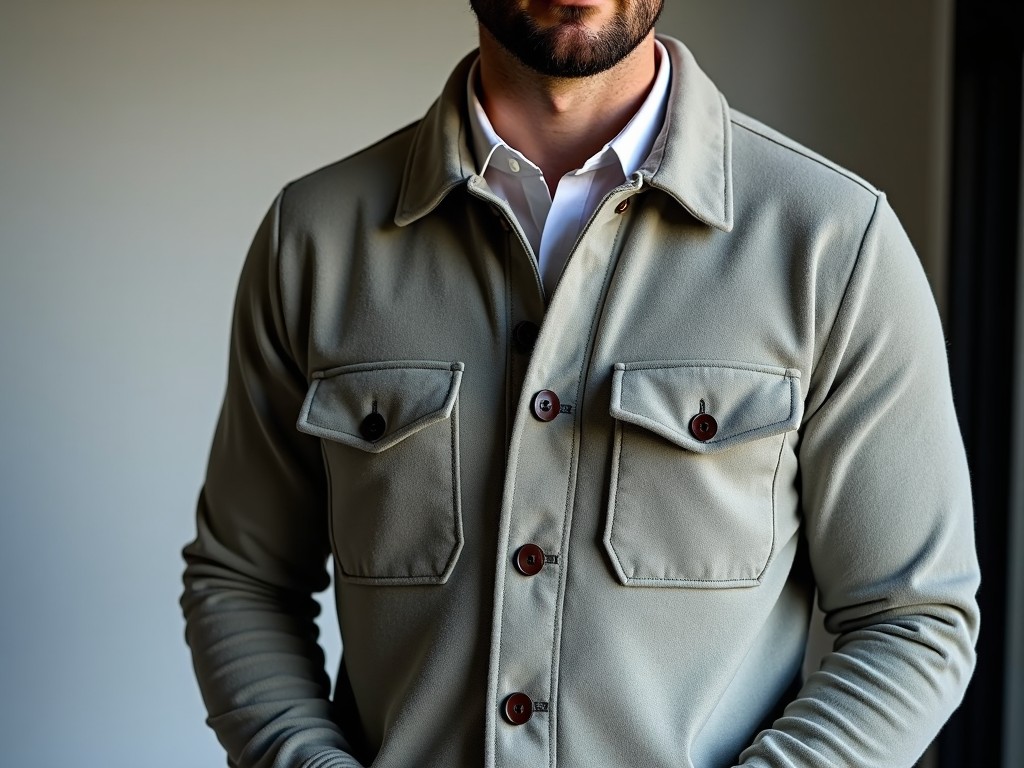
(691, 160)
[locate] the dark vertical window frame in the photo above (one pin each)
(982, 322)
(1013, 741)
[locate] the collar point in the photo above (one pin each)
(720, 220)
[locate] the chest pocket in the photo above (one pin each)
(390, 436)
(696, 451)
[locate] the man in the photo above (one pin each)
(586, 382)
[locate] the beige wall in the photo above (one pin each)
(140, 143)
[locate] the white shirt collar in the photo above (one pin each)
(630, 148)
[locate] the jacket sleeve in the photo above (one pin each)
(886, 507)
(261, 548)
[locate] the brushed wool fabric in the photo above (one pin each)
(747, 279)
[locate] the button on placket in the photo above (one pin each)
(518, 709)
(545, 405)
(524, 336)
(529, 559)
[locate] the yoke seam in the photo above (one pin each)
(805, 154)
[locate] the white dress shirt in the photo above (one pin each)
(551, 225)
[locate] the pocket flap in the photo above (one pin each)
(746, 401)
(407, 396)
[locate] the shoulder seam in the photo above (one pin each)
(799, 151)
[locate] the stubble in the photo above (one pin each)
(568, 48)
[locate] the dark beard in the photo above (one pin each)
(568, 49)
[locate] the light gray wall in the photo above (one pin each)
(140, 143)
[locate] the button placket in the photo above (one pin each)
(536, 511)
(525, 292)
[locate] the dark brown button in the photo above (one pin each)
(529, 559)
(373, 427)
(518, 708)
(545, 405)
(621, 207)
(703, 426)
(524, 336)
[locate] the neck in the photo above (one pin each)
(559, 123)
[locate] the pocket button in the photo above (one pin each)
(703, 426)
(373, 427)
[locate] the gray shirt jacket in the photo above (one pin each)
(599, 546)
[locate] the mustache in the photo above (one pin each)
(572, 14)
